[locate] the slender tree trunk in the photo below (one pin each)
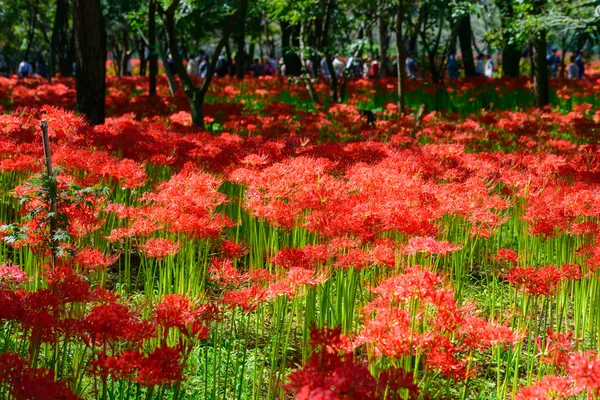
(511, 56)
(465, 33)
(90, 49)
(142, 57)
(240, 43)
(31, 28)
(333, 77)
(170, 78)
(195, 95)
(400, 59)
(384, 38)
(58, 42)
(540, 72)
(306, 76)
(152, 49)
(285, 35)
(125, 54)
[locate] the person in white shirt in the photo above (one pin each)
(192, 67)
(573, 69)
(338, 67)
(24, 69)
(489, 67)
(203, 66)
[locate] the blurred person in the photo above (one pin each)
(573, 68)
(489, 66)
(374, 69)
(479, 68)
(452, 68)
(552, 60)
(325, 69)
(42, 69)
(24, 69)
(221, 68)
(412, 68)
(3, 67)
(273, 62)
(192, 67)
(338, 66)
(171, 65)
(365, 67)
(203, 66)
(580, 64)
(268, 67)
(282, 67)
(201, 55)
(257, 69)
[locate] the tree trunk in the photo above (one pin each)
(400, 57)
(142, 57)
(170, 78)
(511, 60)
(125, 54)
(464, 38)
(152, 49)
(195, 95)
(511, 56)
(240, 42)
(31, 28)
(58, 42)
(90, 50)
(334, 79)
(285, 35)
(384, 38)
(540, 72)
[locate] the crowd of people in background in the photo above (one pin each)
(351, 67)
(575, 69)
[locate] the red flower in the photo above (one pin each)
(161, 367)
(159, 248)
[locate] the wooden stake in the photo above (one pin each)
(50, 172)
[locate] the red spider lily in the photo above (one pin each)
(556, 349)
(161, 367)
(508, 255)
(11, 274)
(542, 281)
(247, 298)
(90, 259)
(401, 322)
(429, 246)
(232, 249)
(332, 376)
(114, 322)
(224, 272)
(26, 382)
(159, 248)
(175, 311)
(550, 387)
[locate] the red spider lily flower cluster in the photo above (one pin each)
(579, 371)
(414, 315)
(331, 375)
(542, 281)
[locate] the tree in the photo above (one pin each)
(59, 42)
(240, 42)
(465, 34)
(511, 54)
(90, 50)
(152, 49)
(400, 58)
(194, 94)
